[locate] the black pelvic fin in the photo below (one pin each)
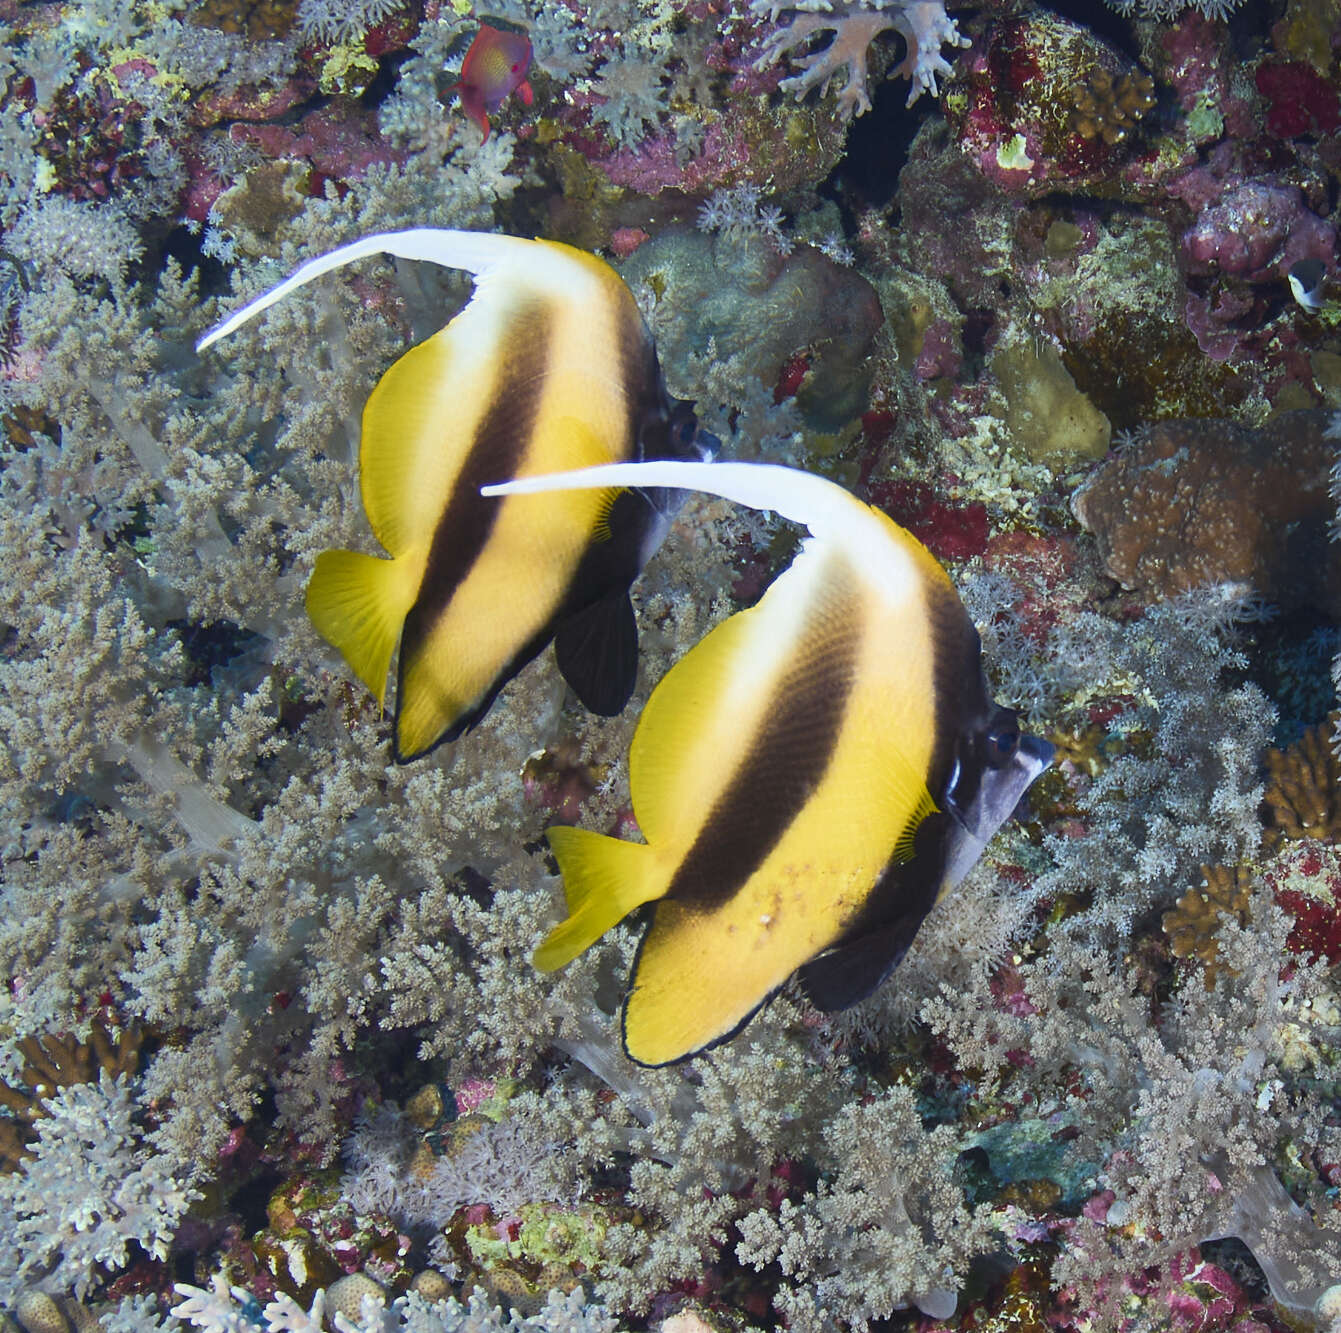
(597, 652)
(849, 972)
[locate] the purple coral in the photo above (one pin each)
(1256, 231)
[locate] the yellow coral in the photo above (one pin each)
(55, 1061)
(1192, 923)
(1303, 794)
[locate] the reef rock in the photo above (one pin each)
(1208, 501)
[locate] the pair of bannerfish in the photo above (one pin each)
(809, 778)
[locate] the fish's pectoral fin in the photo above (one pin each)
(600, 531)
(597, 653)
(604, 879)
(358, 604)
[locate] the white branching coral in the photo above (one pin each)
(505, 1164)
(738, 211)
(222, 1309)
(886, 1231)
(84, 239)
(92, 1187)
(923, 24)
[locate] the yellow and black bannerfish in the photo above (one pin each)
(810, 777)
(549, 367)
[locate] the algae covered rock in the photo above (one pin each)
(734, 294)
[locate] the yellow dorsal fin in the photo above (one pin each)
(604, 879)
(358, 604)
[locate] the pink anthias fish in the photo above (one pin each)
(495, 65)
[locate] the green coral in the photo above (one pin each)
(548, 1234)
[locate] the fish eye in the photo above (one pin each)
(1001, 742)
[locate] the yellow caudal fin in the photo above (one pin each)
(357, 604)
(604, 879)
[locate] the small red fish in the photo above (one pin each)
(495, 65)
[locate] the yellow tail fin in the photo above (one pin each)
(358, 603)
(604, 879)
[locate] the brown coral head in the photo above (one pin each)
(1107, 107)
(1303, 793)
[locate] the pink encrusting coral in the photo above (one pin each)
(1257, 231)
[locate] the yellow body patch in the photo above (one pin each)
(717, 949)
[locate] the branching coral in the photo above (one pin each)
(887, 1230)
(221, 1310)
(923, 24)
(1188, 1114)
(1303, 793)
(1192, 924)
(1170, 9)
(91, 1188)
(201, 828)
(53, 1061)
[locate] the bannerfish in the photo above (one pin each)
(1308, 280)
(810, 777)
(495, 65)
(549, 367)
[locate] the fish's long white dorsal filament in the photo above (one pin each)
(830, 512)
(826, 508)
(475, 252)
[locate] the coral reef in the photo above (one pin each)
(1303, 793)
(923, 24)
(1192, 924)
(272, 1050)
(1195, 502)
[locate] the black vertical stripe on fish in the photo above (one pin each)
(777, 776)
(960, 692)
(640, 375)
(877, 938)
(501, 440)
